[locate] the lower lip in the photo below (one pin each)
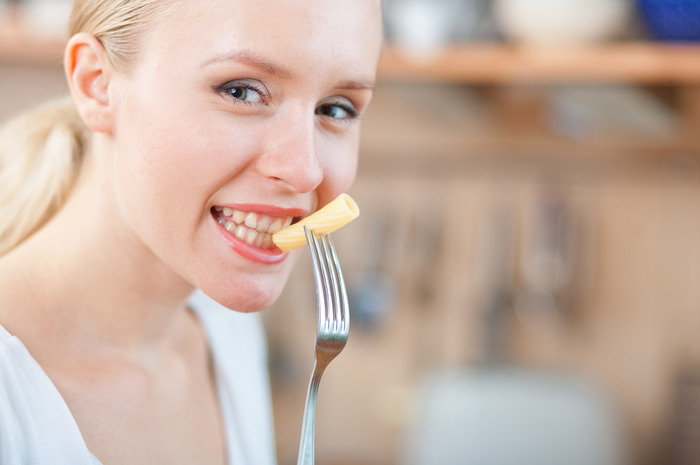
(245, 250)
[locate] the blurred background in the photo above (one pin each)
(525, 274)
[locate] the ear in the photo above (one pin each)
(88, 72)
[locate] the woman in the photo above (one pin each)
(181, 113)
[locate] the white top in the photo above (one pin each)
(37, 428)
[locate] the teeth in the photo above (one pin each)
(251, 220)
(264, 223)
(255, 229)
(276, 226)
(240, 232)
(259, 239)
(238, 217)
(267, 243)
(251, 236)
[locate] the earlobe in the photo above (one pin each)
(88, 73)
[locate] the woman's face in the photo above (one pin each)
(239, 116)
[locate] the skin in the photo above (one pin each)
(231, 103)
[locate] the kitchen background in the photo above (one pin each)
(525, 274)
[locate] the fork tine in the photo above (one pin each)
(337, 316)
(320, 275)
(342, 308)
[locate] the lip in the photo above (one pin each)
(252, 253)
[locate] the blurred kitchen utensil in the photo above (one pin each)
(421, 28)
(5, 10)
(513, 417)
(501, 414)
(671, 20)
(561, 22)
(494, 282)
(548, 260)
(46, 17)
(684, 442)
(426, 252)
(372, 290)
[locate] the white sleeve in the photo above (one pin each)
(36, 426)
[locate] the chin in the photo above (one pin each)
(246, 298)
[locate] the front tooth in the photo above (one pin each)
(241, 232)
(286, 223)
(228, 211)
(263, 223)
(238, 217)
(276, 226)
(251, 220)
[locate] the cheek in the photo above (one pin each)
(178, 154)
(340, 169)
(345, 175)
(160, 172)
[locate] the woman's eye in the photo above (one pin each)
(337, 111)
(244, 92)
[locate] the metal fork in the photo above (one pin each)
(331, 332)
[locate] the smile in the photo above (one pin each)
(255, 229)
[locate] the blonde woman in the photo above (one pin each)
(183, 115)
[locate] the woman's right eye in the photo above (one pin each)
(244, 91)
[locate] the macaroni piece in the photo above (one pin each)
(334, 215)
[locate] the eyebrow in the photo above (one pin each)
(356, 85)
(251, 59)
(256, 61)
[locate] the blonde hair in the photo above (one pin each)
(41, 151)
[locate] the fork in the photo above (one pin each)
(331, 332)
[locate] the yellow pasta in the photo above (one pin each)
(334, 215)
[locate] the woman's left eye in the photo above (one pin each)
(337, 111)
(243, 91)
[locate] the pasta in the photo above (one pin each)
(334, 215)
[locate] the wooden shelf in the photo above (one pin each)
(474, 63)
(636, 62)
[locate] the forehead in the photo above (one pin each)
(322, 33)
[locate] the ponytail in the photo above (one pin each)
(40, 156)
(41, 151)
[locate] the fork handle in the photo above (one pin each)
(308, 425)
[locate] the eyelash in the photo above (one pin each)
(227, 88)
(349, 109)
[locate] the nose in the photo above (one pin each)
(291, 154)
